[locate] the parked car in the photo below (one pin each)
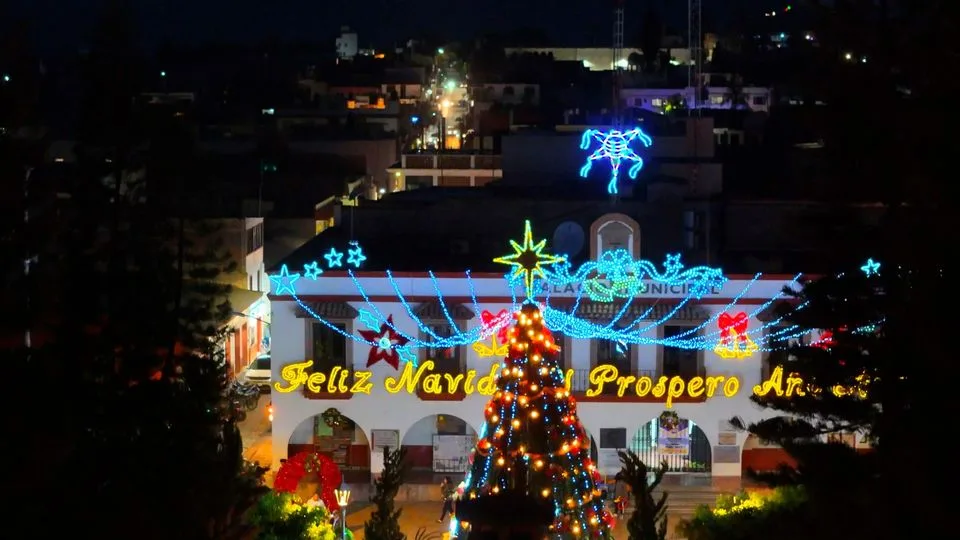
(258, 372)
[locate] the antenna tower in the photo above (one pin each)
(695, 67)
(617, 57)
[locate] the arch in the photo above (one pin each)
(422, 441)
(340, 438)
(688, 451)
(632, 228)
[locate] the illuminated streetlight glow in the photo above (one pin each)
(343, 499)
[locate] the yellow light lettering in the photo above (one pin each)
(468, 382)
(332, 380)
(660, 388)
(599, 376)
(623, 382)
(676, 390)
(361, 383)
(294, 374)
(695, 387)
(408, 379)
(568, 380)
(712, 384)
(453, 383)
(431, 384)
(315, 382)
(795, 386)
(731, 386)
(342, 381)
(488, 385)
(775, 383)
(644, 384)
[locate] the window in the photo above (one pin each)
(449, 360)
(693, 229)
(262, 363)
(657, 102)
(616, 354)
(679, 362)
(328, 347)
(418, 182)
(254, 238)
(718, 99)
(615, 235)
(759, 100)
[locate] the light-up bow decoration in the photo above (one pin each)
(617, 275)
(734, 341)
(614, 146)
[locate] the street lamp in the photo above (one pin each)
(343, 499)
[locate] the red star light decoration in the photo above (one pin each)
(387, 342)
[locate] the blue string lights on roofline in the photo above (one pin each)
(614, 146)
(612, 277)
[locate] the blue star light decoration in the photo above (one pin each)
(614, 145)
(284, 281)
(871, 268)
(356, 256)
(334, 258)
(312, 270)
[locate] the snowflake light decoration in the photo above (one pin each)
(615, 147)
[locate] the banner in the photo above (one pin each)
(451, 452)
(673, 435)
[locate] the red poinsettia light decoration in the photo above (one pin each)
(295, 468)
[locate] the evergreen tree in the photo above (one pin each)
(384, 522)
(135, 436)
(649, 518)
(533, 443)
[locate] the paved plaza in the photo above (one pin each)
(425, 514)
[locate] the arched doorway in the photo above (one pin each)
(678, 441)
(438, 445)
(337, 436)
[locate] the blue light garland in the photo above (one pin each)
(614, 276)
(614, 146)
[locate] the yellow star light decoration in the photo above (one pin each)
(494, 349)
(528, 259)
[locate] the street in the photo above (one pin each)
(256, 435)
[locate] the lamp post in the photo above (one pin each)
(343, 499)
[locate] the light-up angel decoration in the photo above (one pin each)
(614, 146)
(615, 279)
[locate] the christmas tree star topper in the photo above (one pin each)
(528, 259)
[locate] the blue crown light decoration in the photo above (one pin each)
(614, 146)
(615, 276)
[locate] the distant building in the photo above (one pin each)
(347, 44)
(717, 97)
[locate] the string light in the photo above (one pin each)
(614, 146)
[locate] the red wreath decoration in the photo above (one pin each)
(295, 468)
(387, 342)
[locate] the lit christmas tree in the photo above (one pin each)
(532, 442)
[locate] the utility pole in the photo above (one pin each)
(695, 66)
(617, 58)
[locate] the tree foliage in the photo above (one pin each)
(384, 522)
(649, 518)
(754, 515)
(277, 516)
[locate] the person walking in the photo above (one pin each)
(447, 490)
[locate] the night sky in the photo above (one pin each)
(65, 24)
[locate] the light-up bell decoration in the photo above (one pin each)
(614, 146)
(734, 341)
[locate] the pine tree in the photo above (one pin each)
(384, 522)
(532, 442)
(649, 518)
(875, 372)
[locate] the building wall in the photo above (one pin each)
(402, 411)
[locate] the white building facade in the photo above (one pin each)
(416, 415)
